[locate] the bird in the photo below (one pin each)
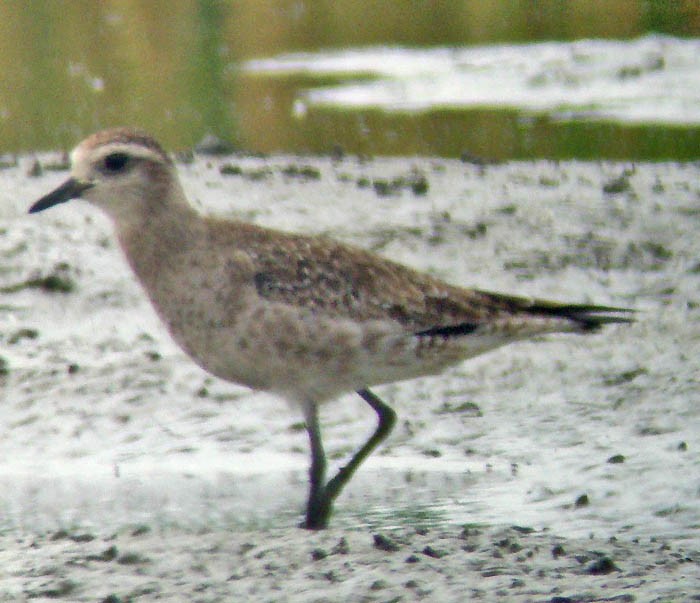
(304, 317)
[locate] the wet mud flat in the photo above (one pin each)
(406, 564)
(555, 470)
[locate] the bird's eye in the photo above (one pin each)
(115, 162)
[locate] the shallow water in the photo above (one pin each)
(481, 78)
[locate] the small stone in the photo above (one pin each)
(582, 501)
(558, 551)
(620, 184)
(419, 185)
(229, 169)
(434, 553)
(383, 188)
(131, 559)
(36, 170)
(383, 543)
(302, 172)
(601, 566)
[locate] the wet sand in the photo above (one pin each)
(129, 474)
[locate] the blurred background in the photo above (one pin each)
(476, 79)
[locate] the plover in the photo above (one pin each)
(304, 317)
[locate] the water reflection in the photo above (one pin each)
(174, 69)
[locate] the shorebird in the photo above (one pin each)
(304, 317)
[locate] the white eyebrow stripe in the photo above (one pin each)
(80, 154)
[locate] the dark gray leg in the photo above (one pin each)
(316, 507)
(321, 497)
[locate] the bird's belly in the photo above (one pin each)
(300, 355)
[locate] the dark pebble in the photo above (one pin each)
(383, 188)
(303, 172)
(601, 566)
(228, 169)
(419, 185)
(558, 551)
(434, 553)
(131, 559)
(384, 543)
(36, 170)
(617, 185)
(582, 501)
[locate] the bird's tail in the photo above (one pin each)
(587, 317)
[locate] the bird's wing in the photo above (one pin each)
(335, 279)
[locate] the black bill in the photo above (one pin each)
(70, 189)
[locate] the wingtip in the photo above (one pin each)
(593, 318)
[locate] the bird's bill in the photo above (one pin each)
(70, 189)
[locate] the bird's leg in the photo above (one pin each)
(321, 497)
(387, 419)
(317, 508)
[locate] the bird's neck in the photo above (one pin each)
(161, 236)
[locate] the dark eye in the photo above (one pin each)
(115, 162)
